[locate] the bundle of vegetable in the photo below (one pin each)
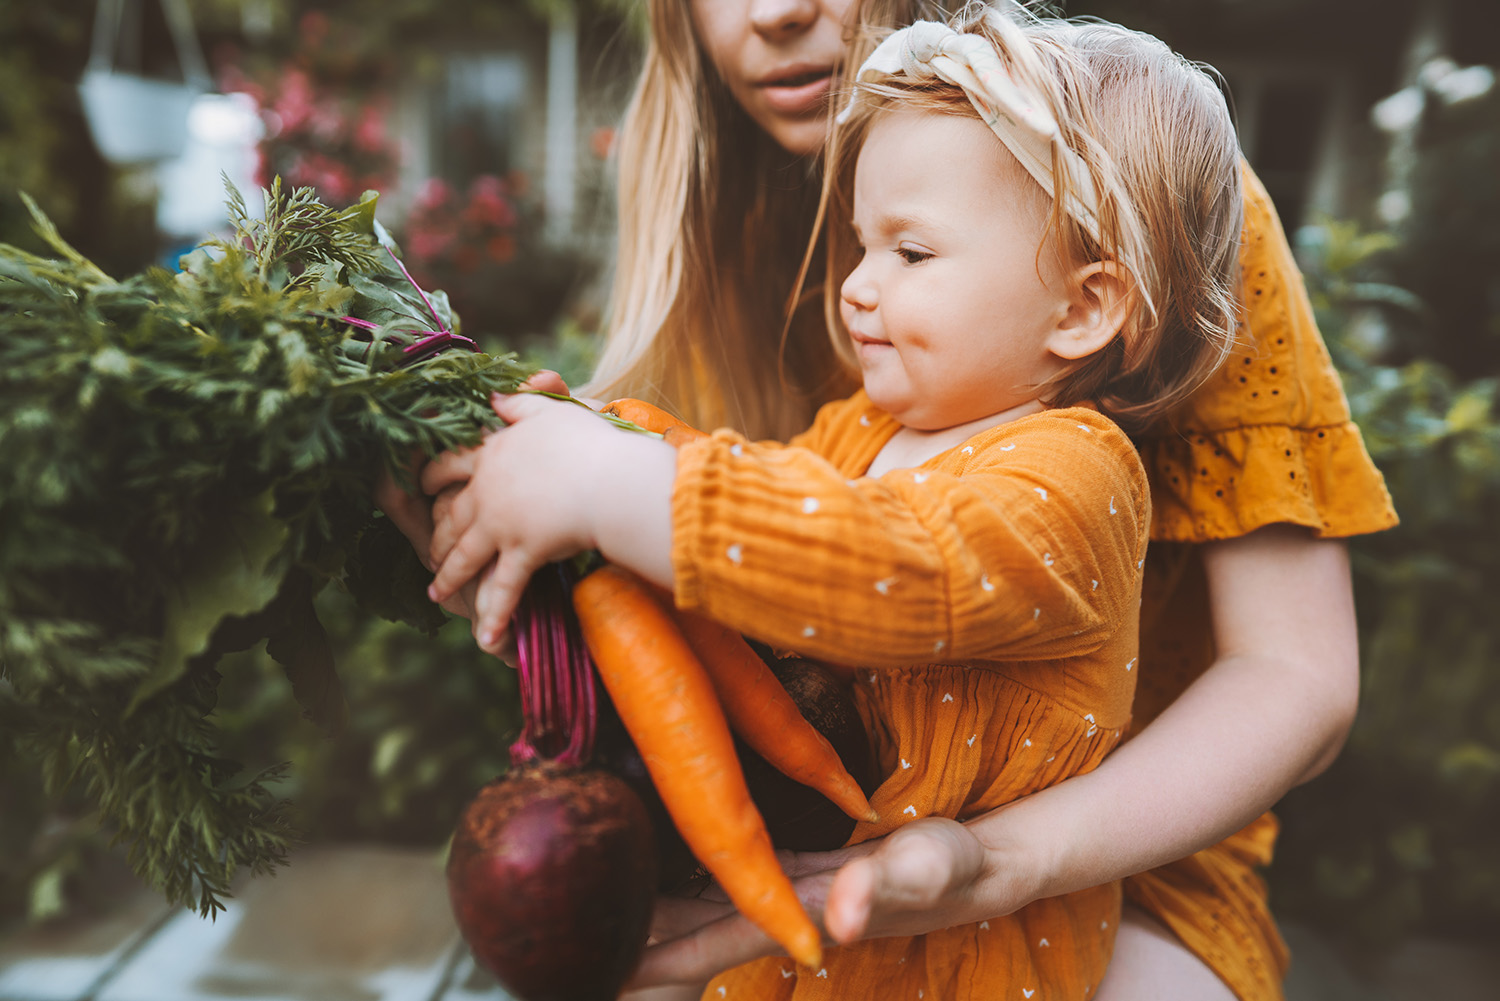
(185, 460)
(552, 873)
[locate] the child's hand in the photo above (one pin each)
(557, 481)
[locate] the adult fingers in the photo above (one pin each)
(674, 917)
(806, 868)
(546, 381)
(799, 864)
(703, 954)
(410, 513)
(513, 408)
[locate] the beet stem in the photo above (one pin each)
(559, 702)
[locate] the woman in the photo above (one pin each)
(1249, 661)
(1249, 669)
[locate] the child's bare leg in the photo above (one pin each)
(1151, 964)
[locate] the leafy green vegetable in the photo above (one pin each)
(185, 461)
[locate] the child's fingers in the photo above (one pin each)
(499, 593)
(449, 468)
(452, 519)
(467, 557)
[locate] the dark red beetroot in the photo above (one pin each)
(552, 872)
(552, 878)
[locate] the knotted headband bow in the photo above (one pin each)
(926, 49)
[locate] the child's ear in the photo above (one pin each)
(1102, 299)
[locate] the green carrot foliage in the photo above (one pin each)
(186, 460)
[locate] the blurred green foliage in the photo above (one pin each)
(1398, 837)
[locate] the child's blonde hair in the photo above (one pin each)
(1156, 137)
(713, 217)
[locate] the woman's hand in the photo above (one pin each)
(933, 873)
(413, 515)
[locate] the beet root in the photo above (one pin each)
(552, 878)
(797, 816)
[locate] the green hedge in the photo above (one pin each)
(1399, 836)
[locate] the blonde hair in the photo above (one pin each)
(1160, 147)
(705, 312)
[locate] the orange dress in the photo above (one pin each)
(1268, 440)
(990, 601)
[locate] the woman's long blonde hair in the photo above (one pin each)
(713, 219)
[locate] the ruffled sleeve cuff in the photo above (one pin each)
(1210, 485)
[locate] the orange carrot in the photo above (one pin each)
(647, 415)
(766, 718)
(679, 435)
(667, 703)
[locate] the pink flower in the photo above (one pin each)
(433, 193)
(427, 245)
(488, 205)
(294, 100)
(369, 131)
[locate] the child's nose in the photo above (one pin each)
(858, 289)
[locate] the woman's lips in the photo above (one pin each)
(797, 90)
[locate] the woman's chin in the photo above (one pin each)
(799, 136)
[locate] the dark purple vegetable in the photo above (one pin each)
(552, 872)
(799, 817)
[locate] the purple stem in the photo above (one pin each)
(556, 675)
(437, 339)
(425, 301)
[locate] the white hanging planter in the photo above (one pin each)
(136, 119)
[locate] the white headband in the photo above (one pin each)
(927, 49)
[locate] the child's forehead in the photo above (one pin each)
(911, 153)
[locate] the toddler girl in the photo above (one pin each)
(1032, 233)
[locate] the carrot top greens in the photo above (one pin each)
(185, 461)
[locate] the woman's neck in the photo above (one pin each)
(910, 447)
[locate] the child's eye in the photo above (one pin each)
(911, 255)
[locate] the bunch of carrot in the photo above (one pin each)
(680, 684)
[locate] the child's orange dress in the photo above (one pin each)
(990, 599)
(1268, 440)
